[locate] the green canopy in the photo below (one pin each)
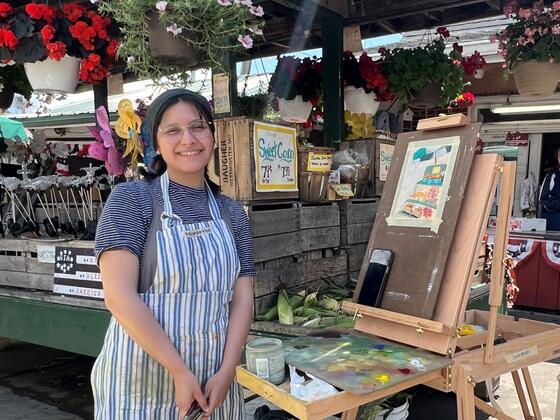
(11, 129)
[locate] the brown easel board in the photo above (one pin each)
(418, 213)
(439, 335)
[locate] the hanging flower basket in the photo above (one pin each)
(6, 96)
(294, 110)
(169, 49)
(357, 101)
(536, 78)
(53, 76)
(428, 97)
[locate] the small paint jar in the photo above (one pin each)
(265, 358)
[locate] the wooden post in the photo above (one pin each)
(531, 392)
(521, 395)
(465, 394)
(101, 95)
(500, 244)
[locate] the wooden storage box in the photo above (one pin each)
(233, 165)
(314, 165)
(356, 220)
(378, 152)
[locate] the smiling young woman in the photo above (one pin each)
(177, 263)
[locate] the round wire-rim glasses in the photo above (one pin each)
(198, 129)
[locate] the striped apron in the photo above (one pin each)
(197, 266)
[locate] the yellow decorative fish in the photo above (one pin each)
(128, 127)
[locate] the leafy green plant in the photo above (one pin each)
(254, 106)
(211, 27)
(15, 76)
(534, 34)
(410, 70)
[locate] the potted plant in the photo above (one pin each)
(365, 86)
(166, 38)
(297, 85)
(426, 76)
(530, 46)
(254, 106)
(53, 44)
(13, 80)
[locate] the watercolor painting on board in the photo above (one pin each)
(358, 363)
(421, 193)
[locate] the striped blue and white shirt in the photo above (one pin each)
(127, 215)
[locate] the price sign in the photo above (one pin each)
(319, 162)
(275, 157)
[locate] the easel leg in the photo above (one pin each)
(350, 414)
(465, 395)
(521, 395)
(531, 392)
(491, 411)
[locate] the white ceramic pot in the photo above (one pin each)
(358, 101)
(294, 110)
(53, 76)
(479, 73)
(398, 413)
(536, 78)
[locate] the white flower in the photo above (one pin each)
(93, 1)
(131, 59)
(174, 29)
(247, 3)
(161, 6)
(246, 41)
(224, 2)
(256, 31)
(257, 11)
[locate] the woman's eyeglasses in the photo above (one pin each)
(199, 129)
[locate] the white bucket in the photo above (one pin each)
(479, 73)
(53, 76)
(357, 101)
(294, 110)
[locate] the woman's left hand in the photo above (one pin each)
(217, 388)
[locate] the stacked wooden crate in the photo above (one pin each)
(297, 246)
(356, 222)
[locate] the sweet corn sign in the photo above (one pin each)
(275, 149)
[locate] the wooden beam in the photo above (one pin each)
(388, 26)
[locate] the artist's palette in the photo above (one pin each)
(358, 363)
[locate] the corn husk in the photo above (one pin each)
(329, 303)
(285, 311)
(270, 315)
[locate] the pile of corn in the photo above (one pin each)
(311, 309)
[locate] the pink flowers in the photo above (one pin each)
(174, 29)
(556, 5)
(257, 11)
(246, 41)
(161, 6)
(556, 29)
(256, 30)
(225, 3)
(524, 13)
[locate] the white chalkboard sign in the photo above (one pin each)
(76, 273)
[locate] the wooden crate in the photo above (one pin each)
(233, 164)
(371, 148)
(20, 266)
(356, 220)
(285, 229)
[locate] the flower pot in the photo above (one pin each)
(428, 97)
(357, 101)
(479, 73)
(294, 110)
(536, 78)
(6, 96)
(54, 76)
(170, 49)
(397, 413)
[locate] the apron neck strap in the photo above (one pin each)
(167, 216)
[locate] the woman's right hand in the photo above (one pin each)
(187, 392)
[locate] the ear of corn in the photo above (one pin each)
(270, 315)
(296, 301)
(310, 300)
(329, 304)
(285, 312)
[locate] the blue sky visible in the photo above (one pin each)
(268, 64)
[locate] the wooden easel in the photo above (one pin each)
(475, 358)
